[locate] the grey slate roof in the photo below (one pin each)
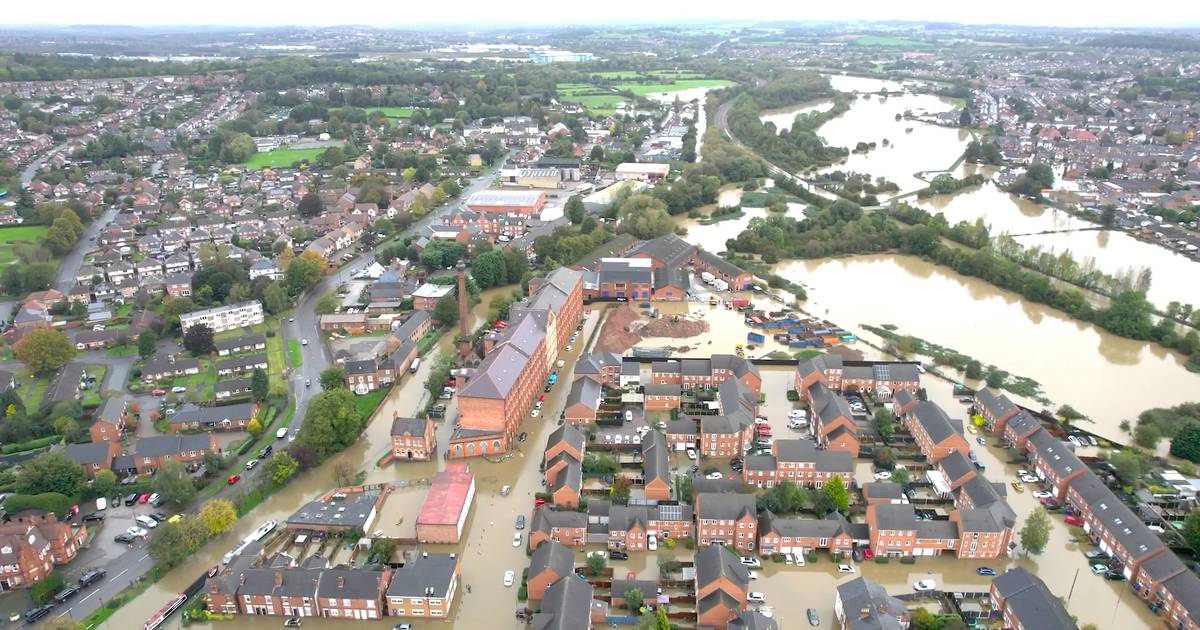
(670, 250)
(1055, 454)
(655, 464)
(210, 415)
(569, 434)
(806, 451)
(593, 362)
(566, 605)
(553, 556)
(545, 519)
(832, 525)
(826, 405)
(713, 562)
(934, 421)
(1033, 605)
(88, 453)
(111, 410)
(861, 594)
(354, 512)
(996, 403)
(244, 341)
(584, 391)
(159, 445)
(296, 582)
(882, 490)
(955, 466)
(408, 426)
(724, 506)
(752, 620)
(1023, 423)
(351, 584)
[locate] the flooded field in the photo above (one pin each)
(1075, 362)
(783, 117)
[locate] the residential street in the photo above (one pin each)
(69, 267)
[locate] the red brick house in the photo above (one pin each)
(630, 527)
(801, 535)
(935, 434)
(32, 543)
(995, 408)
(149, 453)
(549, 563)
(561, 526)
(603, 367)
(656, 467)
(583, 400)
(413, 439)
(896, 532)
(798, 461)
(726, 519)
(1019, 428)
(831, 420)
(722, 583)
(662, 396)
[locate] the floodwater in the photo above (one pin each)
(712, 237)
(1075, 362)
(1114, 251)
(783, 117)
(873, 119)
(489, 527)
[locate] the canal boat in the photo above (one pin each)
(163, 613)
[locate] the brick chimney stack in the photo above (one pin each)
(464, 343)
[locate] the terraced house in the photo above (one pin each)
(798, 461)
(726, 519)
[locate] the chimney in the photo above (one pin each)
(864, 613)
(464, 332)
(278, 579)
(341, 581)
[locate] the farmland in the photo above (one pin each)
(603, 99)
(10, 236)
(278, 158)
(891, 42)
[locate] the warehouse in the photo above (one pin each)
(528, 202)
(447, 505)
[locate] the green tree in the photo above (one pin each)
(303, 272)
(1129, 316)
(883, 458)
(884, 423)
(254, 428)
(446, 310)
(199, 340)
(489, 269)
(281, 467)
(238, 148)
(68, 428)
(175, 307)
(326, 305)
(218, 516)
(44, 589)
(1146, 435)
(274, 298)
(516, 263)
(901, 476)
(331, 423)
(51, 472)
(1191, 530)
(596, 564)
(173, 482)
(574, 209)
(333, 378)
(1036, 532)
(1127, 466)
(974, 370)
(835, 489)
(633, 599)
(660, 619)
(310, 205)
(259, 384)
(44, 350)
(147, 343)
(104, 484)
(1186, 443)
(167, 547)
(645, 217)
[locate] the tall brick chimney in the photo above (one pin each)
(464, 342)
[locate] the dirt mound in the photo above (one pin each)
(673, 326)
(615, 334)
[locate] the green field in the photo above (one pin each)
(642, 89)
(894, 42)
(597, 100)
(279, 158)
(18, 234)
(294, 355)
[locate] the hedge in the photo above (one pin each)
(60, 504)
(21, 447)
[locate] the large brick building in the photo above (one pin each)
(672, 252)
(935, 433)
(798, 461)
(413, 439)
(447, 505)
(32, 543)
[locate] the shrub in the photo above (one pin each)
(54, 502)
(908, 560)
(689, 543)
(810, 556)
(881, 559)
(523, 593)
(777, 557)
(42, 591)
(793, 395)
(36, 443)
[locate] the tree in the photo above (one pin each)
(1147, 435)
(51, 472)
(446, 310)
(238, 148)
(900, 476)
(281, 467)
(574, 209)
(198, 339)
(147, 343)
(1127, 466)
(44, 350)
(174, 307)
(835, 489)
(105, 483)
(1191, 530)
(633, 599)
(167, 546)
(1186, 443)
(516, 263)
(274, 298)
(68, 428)
(974, 370)
(884, 458)
(173, 482)
(1036, 532)
(254, 427)
(326, 305)
(596, 564)
(884, 423)
(310, 205)
(964, 119)
(489, 269)
(344, 474)
(303, 272)
(217, 515)
(259, 384)
(333, 378)
(645, 217)
(331, 423)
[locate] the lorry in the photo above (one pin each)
(720, 285)
(707, 277)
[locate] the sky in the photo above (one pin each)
(467, 13)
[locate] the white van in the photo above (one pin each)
(145, 521)
(281, 433)
(101, 504)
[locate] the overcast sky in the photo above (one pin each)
(1174, 13)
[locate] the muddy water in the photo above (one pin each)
(1075, 362)
(872, 119)
(783, 117)
(1114, 251)
(490, 526)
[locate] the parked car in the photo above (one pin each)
(652, 542)
(750, 561)
(756, 597)
(158, 392)
(1095, 554)
(143, 498)
(65, 594)
(714, 475)
(136, 532)
(1042, 494)
(1074, 520)
(124, 537)
(233, 479)
(517, 539)
(883, 475)
(986, 571)
(520, 521)
(131, 499)
(156, 500)
(90, 577)
(1099, 568)
(145, 521)
(691, 453)
(924, 585)
(159, 516)
(845, 568)
(617, 555)
(37, 613)
(93, 516)
(179, 389)
(1114, 575)
(509, 577)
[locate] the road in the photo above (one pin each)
(69, 267)
(30, 171)
(128, 567)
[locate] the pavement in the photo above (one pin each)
(126, 566)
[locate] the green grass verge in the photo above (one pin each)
(294, 355)
(279, 158)
(367, 403)
(121, 351)
(276, 362)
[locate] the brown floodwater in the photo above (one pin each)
(784, 117)
(1075, 362)
(1114, 251)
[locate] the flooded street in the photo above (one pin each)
(1075, 362)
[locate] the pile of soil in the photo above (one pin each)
(615, 335)
(673, 326)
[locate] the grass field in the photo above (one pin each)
(19, 234)
(294, 353)
(642, 89)
(893, 42)
(279, 158)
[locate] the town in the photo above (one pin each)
(651, 328)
